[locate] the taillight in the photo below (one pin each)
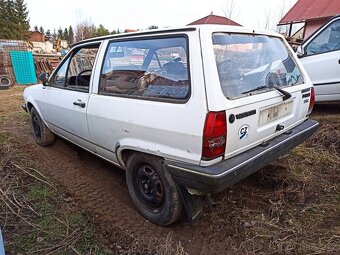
(214, 135)
(311, 101)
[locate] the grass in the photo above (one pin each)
(34, 213)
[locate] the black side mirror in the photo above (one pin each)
(44, 78)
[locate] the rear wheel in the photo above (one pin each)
(43, 136)
(152, 189)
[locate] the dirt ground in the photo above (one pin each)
(291, 206)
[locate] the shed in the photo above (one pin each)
(313, 13)
(214, 19)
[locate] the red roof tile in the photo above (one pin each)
(311, 9)
(214, 19)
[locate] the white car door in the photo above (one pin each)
(322, 61)
(66, 98)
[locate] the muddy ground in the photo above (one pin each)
(289, 207)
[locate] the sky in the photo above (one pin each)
(134, 14)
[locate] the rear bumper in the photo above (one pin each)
(215, 178)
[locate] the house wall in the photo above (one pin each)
(36, 37)
(313, 25)
(46, 47)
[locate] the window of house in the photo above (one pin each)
(150, 68)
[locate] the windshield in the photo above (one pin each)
(249, 64)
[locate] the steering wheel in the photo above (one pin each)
(81, 80)
(225, 69)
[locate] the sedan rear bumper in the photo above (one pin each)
(215, 178)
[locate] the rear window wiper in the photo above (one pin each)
(255, 89)
(286, 94)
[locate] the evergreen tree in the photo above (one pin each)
(20, 19)
(2, 18)
(42, 30)
(48, 33)
(101, 30)
(36, 28)
(54, 35)
(7, 20)
(66, 34)
(60, 33)
(70, 35)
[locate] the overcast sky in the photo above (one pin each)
(136, 14)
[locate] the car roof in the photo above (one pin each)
(204, 27)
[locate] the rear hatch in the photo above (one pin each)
(261, 88)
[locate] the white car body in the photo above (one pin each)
(324, 67)
(259, 126)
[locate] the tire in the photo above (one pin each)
(5, 82)
(43, 136)
(152, 189)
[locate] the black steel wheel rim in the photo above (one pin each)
(36, 126)
(149, 187)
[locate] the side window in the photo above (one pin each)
(326, 41)
(76, 71)
(150, 69)
(59, 77)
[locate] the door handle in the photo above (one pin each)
(81, 104)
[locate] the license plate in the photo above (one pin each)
(275, 112)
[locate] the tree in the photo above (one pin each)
(14, 23)
(48, 33)
(153, 27)
(42, 30)
(36, 28)
(84, 30)
(7, 20)
(70, 35)
(21, 20)
(230, 10)
(66, 34)
(101, 31)
(60, 33)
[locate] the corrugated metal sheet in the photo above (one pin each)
(214, 19)
(311, 9)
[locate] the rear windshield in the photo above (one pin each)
(249, 64)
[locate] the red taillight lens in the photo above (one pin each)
(214, 135)
(311, 101)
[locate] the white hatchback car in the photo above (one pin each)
(320, 55)
(203, 108)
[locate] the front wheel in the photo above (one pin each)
(152, 189)
(43, 136)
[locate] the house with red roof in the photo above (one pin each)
(312, 13)
(214, 19)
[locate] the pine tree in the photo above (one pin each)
(36, 28)
(2, 18)
(70, 35)
(21, 19)
(42, 30)
(7, 20)
(60, 33)
(48, 33)
(65, 34)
